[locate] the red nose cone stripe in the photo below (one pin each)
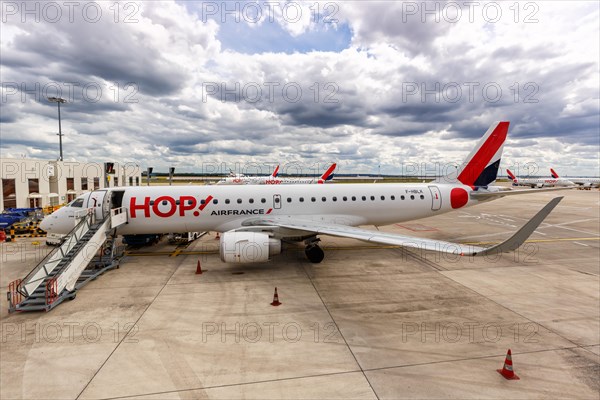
(458, 197)
(482, 158)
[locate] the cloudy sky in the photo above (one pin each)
(399, 86)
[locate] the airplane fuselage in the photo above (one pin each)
(267, 181)
(586, 182)
(164, 209)
(543, 182)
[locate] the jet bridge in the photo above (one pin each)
(69, 267)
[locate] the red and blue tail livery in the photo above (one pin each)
(327, 175)
(480, 168)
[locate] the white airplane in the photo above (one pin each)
(254, 220)
(273, 180)
(583, 183)
(241, 179)
(326, 176)
(539, 182)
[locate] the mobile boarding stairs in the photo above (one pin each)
(69, 267)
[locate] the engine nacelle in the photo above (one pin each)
(248, 247)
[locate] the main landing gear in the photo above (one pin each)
(313, 252)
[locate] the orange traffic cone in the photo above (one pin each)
(507, 371)
(198, 268)
(275, 299)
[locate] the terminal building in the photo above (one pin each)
(30, 182)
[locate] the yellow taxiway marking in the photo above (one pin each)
(174, 253)
(178, 252)
(542, 240)
(472, 243)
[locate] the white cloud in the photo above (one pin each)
(173, 57)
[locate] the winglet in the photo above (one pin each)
(516, 240)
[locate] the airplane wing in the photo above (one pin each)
(332, 229)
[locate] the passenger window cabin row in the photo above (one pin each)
(311, 199)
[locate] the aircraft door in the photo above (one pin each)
(116, 198)
(100, 202)
(276, 201)
(436, 198)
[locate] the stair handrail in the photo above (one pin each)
(87, 217)
(13, 295)
(71, 271)
(51, 292)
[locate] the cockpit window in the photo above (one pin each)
(77, 203)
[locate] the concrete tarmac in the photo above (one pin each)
(369, 322)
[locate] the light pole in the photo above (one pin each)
(58, 100)
(171, 173)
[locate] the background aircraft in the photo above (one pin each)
(539, 182)
(273, 180)
(583, 183)
(241, 179)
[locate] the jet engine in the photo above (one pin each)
(248, 247)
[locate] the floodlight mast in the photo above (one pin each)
(58, 100)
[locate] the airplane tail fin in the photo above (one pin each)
(511, 176)
(274, 174)
(554, 174)
(481, 166)
(327, 175)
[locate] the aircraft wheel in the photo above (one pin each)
(314, 254)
